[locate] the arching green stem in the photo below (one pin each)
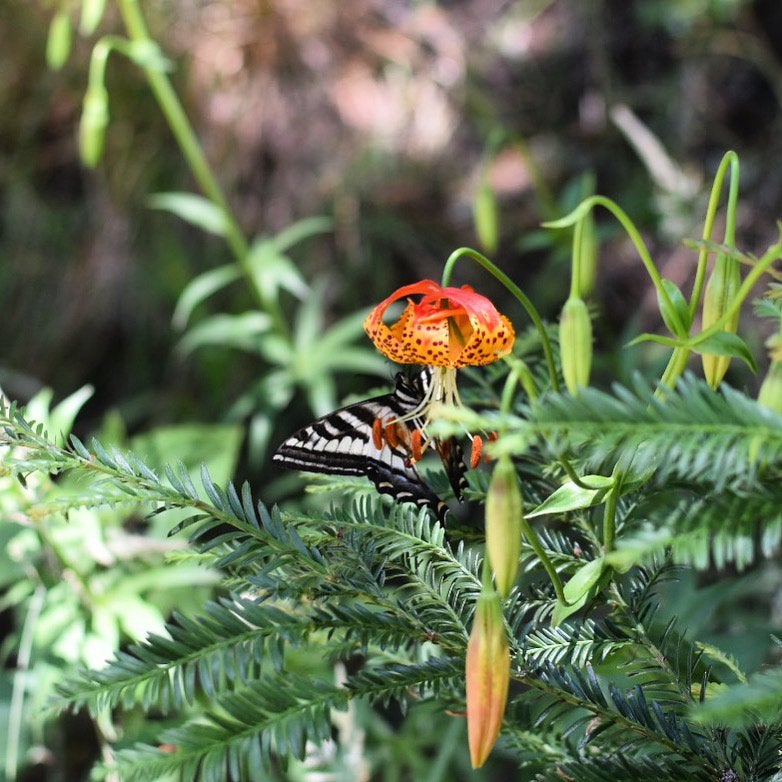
(680, 356)
(182, 130)
(575, 266)
(589, 203)
(729, 160)
(514, 289)
(548, 565)
(609, 512)
(519, 374)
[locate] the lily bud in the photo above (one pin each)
(487, 677)
(575, 344)
(486, 217)
(58, 43)
(504, 510)
(770, 393)
(720, 291)
(92, 128)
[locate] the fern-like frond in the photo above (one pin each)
(211, 653)
(413, 546)
(239, 736)
(741, 705)
(577, 644)
(616, 721)
(399, 681)
(726, 527)
(720, 438)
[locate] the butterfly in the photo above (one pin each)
(346, 442)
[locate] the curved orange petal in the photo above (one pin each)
(451, 327)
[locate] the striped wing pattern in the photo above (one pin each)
(341, 443)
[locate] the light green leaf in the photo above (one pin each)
(578, 589)
(136, 617)
(725, 343)
(309, 320)
(658, 338)
(201, 288)
(743, 704)
(237, 331)
(64, 414)
(272, 270)
(344, 331)
(637, 549)
(215, 445)
(676, 316)
(321, 394)
(570, 496)
(300, 230)
(194, 209)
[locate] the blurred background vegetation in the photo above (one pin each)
(396, 120)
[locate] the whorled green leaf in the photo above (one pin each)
(201, 288)
(725, 343)
(579, 589)
(244, 332)
(740, 705)
(570, 496)
(194, 209)
(676, 315)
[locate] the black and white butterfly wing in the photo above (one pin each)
(342, 443)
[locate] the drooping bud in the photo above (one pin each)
(485, 214)
(504, 509)
(58, 43)
(487, 674)
(92, 128)
(721, 289)
(575, 344)
(770, 393)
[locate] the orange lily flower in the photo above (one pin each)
(448, 327)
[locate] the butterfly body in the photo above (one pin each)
(345, 442)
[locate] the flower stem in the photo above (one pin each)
(548, 565)
(590, 203)
(729, 159)
(183, 131)
(609, 512)
(514, 289)
(678, 360)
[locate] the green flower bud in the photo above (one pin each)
(575, 344)
(92, 128)
(487, 676)
(91, 15)
(721, 289)
(486, 217)
(58, 43)
(504, 510)
(770, 393)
